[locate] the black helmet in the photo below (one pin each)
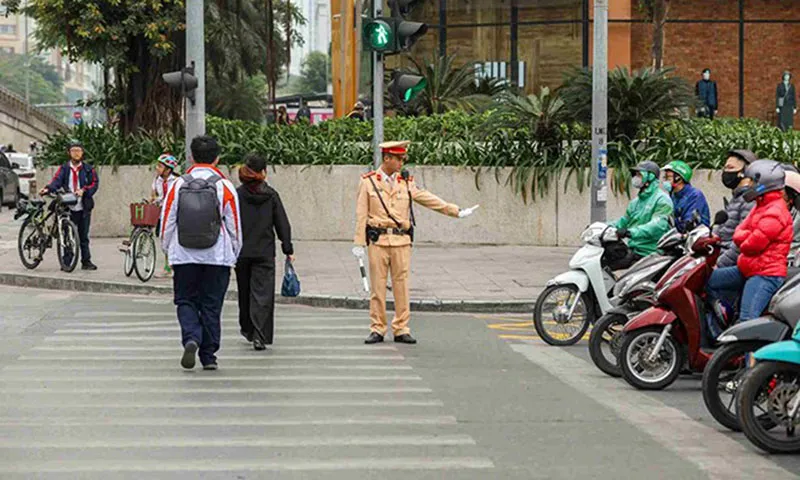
(74, 143)
(746, 156)
(767, 176)
(648, 166)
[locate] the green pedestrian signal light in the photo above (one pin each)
(379, 35)
(406, 87)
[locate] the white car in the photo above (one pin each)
(26, 171)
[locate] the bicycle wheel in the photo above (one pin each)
(127, 258)
(144, 255)
(67, 244)
(30, 243)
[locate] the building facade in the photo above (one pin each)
(747, 44)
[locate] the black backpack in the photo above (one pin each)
(199, 219)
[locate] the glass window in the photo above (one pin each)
(4, 163)
(7, 49)
(487, 46)
(8, 29)
(478, 12)
(549, 10)
(546, 53)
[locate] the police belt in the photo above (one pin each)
(391, 231)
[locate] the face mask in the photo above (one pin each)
(731, 179)
(706, 76)
(752, 193)
(796, 203)
(637, 182)
(667, 186)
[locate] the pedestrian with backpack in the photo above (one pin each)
(263, 216)
(201, 234)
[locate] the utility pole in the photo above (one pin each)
(27, 62)
(599, 190)
(195, 56)
(377, 95)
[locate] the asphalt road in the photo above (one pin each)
(90, 388)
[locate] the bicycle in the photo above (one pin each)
(139, 251)
(40, 227)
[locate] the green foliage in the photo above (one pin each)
(541, 116)
(245, 99)
(449, 87)
(634, 99)
(42, 90)
(315, 73)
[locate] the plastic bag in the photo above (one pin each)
(291, 283)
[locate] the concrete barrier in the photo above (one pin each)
(320, 202)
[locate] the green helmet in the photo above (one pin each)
(681, 168)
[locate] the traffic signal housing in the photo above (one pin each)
(405, 87)
(395, 34)
(183, 79)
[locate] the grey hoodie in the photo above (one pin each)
(737, 211)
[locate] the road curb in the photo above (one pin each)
(320, 301)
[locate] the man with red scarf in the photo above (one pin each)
(81, 179)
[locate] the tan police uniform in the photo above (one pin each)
(392, 251)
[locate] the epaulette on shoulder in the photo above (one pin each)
(368, 174)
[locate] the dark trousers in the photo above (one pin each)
(255, 278)
(199, 296)
(83, 221)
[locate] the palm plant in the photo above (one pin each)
(633, 98)
(448, 87)
(542, 116)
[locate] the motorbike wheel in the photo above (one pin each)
(605, 341)
(29, 244)
(549, 315)
(721, 379)
(768, 389)
(643, 373)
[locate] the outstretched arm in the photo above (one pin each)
(429, 200)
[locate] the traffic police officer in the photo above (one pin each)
(385, 222)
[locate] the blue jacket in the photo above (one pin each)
(685, 203)
(87, 180)
(706, 91)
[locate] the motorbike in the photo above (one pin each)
(768, 399)
(725, 371)
(658, 342)
(633, 293)
(573, 300)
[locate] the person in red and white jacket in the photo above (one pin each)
(201, 276)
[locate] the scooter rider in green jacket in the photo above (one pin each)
(646, 218)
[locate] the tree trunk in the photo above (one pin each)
(660, 10)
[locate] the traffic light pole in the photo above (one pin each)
(195, 55)
(599, 191)
(377, 97)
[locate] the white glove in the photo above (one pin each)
(466, 212)
(358, 252)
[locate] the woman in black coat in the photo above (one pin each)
(263, 217)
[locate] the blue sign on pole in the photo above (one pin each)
(602, 164)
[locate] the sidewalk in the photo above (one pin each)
(443, 278)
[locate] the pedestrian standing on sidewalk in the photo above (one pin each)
(166, 174)
(385, 222)
(79, 178)
(201, 234)
(263, 216)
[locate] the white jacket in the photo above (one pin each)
(226, 250)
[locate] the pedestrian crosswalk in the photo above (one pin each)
(103, 396)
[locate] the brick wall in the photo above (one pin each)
(769, 49)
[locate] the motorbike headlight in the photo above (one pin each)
(587, 235)
(727, 339)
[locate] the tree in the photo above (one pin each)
(315, 73)
(242, 100)
(141, 39)
(656, 12)
(42, 90)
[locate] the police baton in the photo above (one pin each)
(358, 252)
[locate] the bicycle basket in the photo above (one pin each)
(67, 199)
(145, 214)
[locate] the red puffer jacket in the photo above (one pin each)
(765, 237)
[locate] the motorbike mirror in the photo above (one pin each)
(720, 217)
(725, 202)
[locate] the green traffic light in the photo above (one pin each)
(413, 91)
(379, 35)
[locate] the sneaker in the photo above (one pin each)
(211, 366)
(89, 266)
(189, 353)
